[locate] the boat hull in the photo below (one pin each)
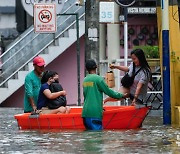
(114, 117)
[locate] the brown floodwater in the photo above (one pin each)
(153, 137)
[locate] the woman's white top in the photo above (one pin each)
(142, 77)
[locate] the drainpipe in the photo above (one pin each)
(166, 62)
(125, 5)
(125, 37)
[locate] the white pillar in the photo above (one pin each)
(113, 42)
(102, 48)
(113, 37)
(125, 37)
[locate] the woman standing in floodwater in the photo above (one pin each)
(138, 90)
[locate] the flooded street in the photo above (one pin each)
(153, 137)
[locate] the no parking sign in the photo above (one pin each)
(45, 18)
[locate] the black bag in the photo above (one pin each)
(127, 80)
(59, 101)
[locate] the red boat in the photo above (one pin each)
(115, 117)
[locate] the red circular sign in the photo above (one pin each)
(45, 16)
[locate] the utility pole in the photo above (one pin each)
(166, 62)
(92, 30)
(125, 4)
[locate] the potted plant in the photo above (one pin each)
(152, 55)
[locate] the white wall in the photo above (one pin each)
(7, 3)
(7, 21)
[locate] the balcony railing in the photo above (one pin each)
(154, 93)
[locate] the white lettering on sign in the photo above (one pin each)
(106, 12)
(141, 10)
(45, 18)
(29, 4)
(133, 10)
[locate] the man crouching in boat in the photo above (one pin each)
(93, 88)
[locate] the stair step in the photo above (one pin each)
(5, 92)
(14, 84)
(22, 75)
(64, 42)
(30, 66)
(56, 50)
(72, 33)
(49, 55)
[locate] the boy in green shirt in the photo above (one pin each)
(93, 88)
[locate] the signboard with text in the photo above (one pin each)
(45, 18)
(141, 10)
(106, 12)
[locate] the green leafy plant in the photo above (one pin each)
(174, 58)
(149, 51)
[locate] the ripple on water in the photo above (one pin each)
(153, 137)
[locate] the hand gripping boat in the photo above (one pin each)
(114, 117)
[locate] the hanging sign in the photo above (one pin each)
(29, 4)
(141, 10)
(45, 18)
(106, 10)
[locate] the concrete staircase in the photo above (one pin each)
(49, 55)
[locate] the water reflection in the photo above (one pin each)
(153, 137)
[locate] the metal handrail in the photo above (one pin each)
(3, 82)
(26, 33)
(36, 35)
(30, 59)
